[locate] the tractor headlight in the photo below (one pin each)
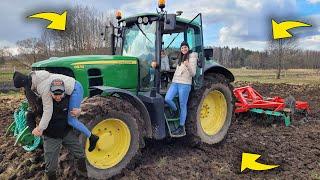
(145, 20)
(139, 20)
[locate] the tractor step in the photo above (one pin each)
(178, 135)
(172, 124)
(173, 121)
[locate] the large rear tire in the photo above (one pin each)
(115, 121)
(210, 110)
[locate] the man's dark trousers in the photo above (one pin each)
(52, 148)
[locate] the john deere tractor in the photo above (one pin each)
(125, 96)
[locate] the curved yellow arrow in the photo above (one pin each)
(58, 21)
(280, 29)
(249, 161)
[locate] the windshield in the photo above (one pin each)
(139, 41)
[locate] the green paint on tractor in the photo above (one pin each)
(96, 70)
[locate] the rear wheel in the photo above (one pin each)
(112, 119)
(210, 111)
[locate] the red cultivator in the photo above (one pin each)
(249, 99)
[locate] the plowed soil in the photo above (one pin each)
(296, 149)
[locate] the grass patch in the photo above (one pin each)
(290, 76)
(13, 94)
(6, 76)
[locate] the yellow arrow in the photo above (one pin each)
(249, 161)
(58, 21)
(280, 29)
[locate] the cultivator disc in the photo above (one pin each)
(21, 131)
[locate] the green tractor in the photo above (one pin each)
(125, 96)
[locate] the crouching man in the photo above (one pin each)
(59, 133)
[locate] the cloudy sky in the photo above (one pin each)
(234, 23)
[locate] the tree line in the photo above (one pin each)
(291, 57)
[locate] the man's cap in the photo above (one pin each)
(57, 87)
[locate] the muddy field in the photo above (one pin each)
(296, 148)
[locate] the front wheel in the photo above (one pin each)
(118, 145)
(210, 111)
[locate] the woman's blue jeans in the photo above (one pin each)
(74, 102)
(183, 90)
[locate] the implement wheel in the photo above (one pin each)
(112, 119)
(210, 110)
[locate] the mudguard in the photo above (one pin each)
(214, 67)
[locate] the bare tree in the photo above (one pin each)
(4, 54)
(30, 49)
(281, 50)
(82, 34)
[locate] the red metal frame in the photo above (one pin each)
(248, 98)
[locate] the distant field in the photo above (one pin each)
(291, 76)
(7, 69)
(7, 76)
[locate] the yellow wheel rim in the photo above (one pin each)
(213, 112)
(113, 144)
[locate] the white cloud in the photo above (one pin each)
(313, 1)
(5, 43)
(310, 43)
(138, 6)
(242, 21)
(254, 5)
(13, 49)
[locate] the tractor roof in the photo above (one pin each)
(179, 19)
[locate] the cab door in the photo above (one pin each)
(194, 38)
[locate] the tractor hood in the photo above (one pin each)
(73, 61)
(95, 70)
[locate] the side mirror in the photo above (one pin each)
(170, 22)
(208, 53)
(108, 36)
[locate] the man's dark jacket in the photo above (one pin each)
(58, 126)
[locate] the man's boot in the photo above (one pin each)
(93, 139)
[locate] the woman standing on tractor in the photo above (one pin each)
(181, 83)
(39, 82)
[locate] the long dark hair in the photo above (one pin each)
(35, 102)
(183, 57)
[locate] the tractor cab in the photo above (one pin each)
(145, 36)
